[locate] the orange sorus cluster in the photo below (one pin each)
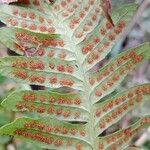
(42, 78)
(59, 6)
(95, 55)
(27, 37)
(137, 93)
(55, 128)
(135, 58)
(37, 78)
(20, 74)
(62, 68)
(47, 139)
(38, 136)
(61, 55)
(81, 14)
(31, 26)
(32, 96)
(38, 64)
(68, 11)
(25, 64)
(51, 53)
(119, 135)
(118, 111)
(110, 37)
(60, 112)
(65, 82)
(115, 77)
(145, 120)
(124, 136)
(41, 51)
(87, 26)
(35, 136)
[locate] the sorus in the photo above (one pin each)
(62, 55)
(121, 24)
(51, 53)
(73, 131)
(59, 111)
(42, 98)
(78, 146)
(41, 109)
(117, 30)
(64, 130)
(61, 67)
(32, 15)
(53, 79)
(98, 112)
(77, 114)
(19, 106)
(40, 52)
(29, 96)
(42, 28)
(95, 55)
(109, 25)
(98, 93)
(23, 14)
(50, 110)
(82, 14)
(103, 31)
(41, 79)
(41, 19)
(77, 101)
(90, 60)
(21, 74)
(102, 124)
(52, 99)
(14, 22)
(49, 128)
(94, 17)
(24, 24)
(111, 37)
(63, 3)
(96, 39)
(79, 34)
(51, 30)
(66, 113)
(58, 142)
(41, 126)
(69, 69)
(32, 26)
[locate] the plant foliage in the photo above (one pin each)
(60, 44)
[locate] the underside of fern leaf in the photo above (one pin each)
(60, 44)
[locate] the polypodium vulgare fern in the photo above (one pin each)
(60, 44)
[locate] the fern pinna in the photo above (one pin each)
(60, 45)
